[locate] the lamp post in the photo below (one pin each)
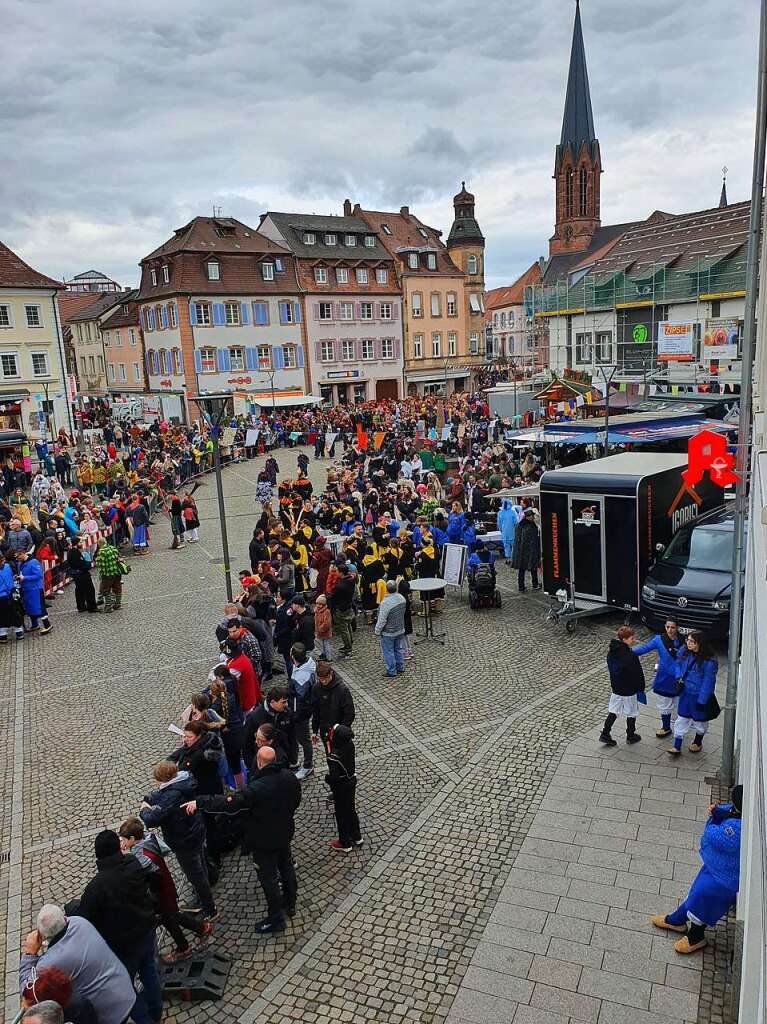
(214, 406)
(271, 375)
(608, 381)
(446, 363)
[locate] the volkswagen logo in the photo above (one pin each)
(682, 602)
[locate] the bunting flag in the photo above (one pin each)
(588, 398)
(378, 438)
(579, 401)
(362, 438)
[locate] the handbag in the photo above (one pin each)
(680, 680)
(124, 567)
(711, 709)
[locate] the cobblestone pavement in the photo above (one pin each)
(460, 761)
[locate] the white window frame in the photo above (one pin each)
(310, 238)
(416, 304)
(236, 363)
(289, 357)
(92, 365)
(320, 275)
(386, 229)
(472, 265)
(101, 363)
(172, 317)
(44, 355)
(121, 374)
(370, 241)
(417, 346)
(209, 359)
(207, 320)
(431, 261)
(366, 311)
(436, 344)
(347, 311)
(475, 305)
(452, 343)
(347, 350)
(327, 352)
(412, 260)
(137, 371)
(423, 232)
(451, 304)
(110, 373)
(342, 275)
(153, 276)
(602, 355)
(108, 337)
(474, 343)
(386, 313)
(331, 239)
(361, 274)
(382, 275)
(326, 306)
(264, 357)
(232, 314)
(435, 306)
(5, 309)
(213, 270)
(387, 348)
(267, 271)
(165, 274)
(368, 349)
(350, 240)
(38, 314)
(584, 347)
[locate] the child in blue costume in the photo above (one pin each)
(665, 687)
(715, 887)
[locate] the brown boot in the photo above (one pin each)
(660, 922)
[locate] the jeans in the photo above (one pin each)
(342, 622)
(393, 651)
(300, 735)
(143, 961)
(194, 866)
(275, 866)
(178, 920)
(326, 651)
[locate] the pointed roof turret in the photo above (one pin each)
(578, 119)
(723, 196)
(465, 227)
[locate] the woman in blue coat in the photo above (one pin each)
(667, 646)
(31, 579)
(9, 618)
(507, 520)
(697, 667)
(715, 887)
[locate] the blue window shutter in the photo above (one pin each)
(244, 316)
(278, 359)
(156, 362)
(141, 319)
(193, 313)
(163, 317)
(151, 319)
(300, 355)
(251, 359)
(222, 359)
(197, 362)
(298, 312)
(172, 306)
(219, 314)
(148, 363)
(283, 312)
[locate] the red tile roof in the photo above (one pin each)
(14, 272)
(513, 294)
(406, 233)
(71, 303)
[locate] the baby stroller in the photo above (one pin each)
(483, 593)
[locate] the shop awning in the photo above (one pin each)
(283, 401)
(639, 433)
(10, 438)
(13, 397)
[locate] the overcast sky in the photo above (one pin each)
(120, 121)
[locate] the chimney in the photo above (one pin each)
(347, 207)
(357, 209)
(404, 211)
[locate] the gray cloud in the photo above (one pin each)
(122, 123)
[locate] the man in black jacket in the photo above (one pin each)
(269, 803)
(118, 903)
(331, 702)
(303, 623)
(273, 709)
(283, 629)
(340, 601)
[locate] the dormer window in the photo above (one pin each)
(386, 229)
(370, 241)
(309, 238)
(431, 261)
(412, 260)
(267, 271)
(330, 239)
(166, 274)
(153, 274)
(423, 233)
(214, 270)
(278, 265)
(350, 240)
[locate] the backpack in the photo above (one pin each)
(483, 576)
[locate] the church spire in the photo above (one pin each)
(723, 196)
(578, 119)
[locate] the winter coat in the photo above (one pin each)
(323, 622)
(321, 560)
(149, 855)
(97, 975)
(626, 675)
(456, 523)
(283, 629)
(268, 805)
(31, 587)
(7, 582)
(698, 685)
(117, 902)
(202, 760)
(248, 689)
(331, 705)
(260, 715)
(667, 671)
(303, 630)
(340, 598)
(720, 846)
(302, 679)
(181, 831)
(507, 520)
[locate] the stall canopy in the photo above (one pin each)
(10, 438)
(280, 401)
(642, 429)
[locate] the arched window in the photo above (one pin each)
(582, 191)
(472, 264)
(569, 192)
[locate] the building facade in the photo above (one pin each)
(91, 281)
(123, 342)
(352, 303)
(441, 343)
(87, 343)
(515, 340)
(33, 393)
(220, 310)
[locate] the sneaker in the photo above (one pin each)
(210, 918)
(304, 773)
(189, 908)
(674, 751)
(607, 739)
(294, 767)
(409, 656)
(178, 955)
(335, 845)
(46, 629)
(202, 938)
(358, 842)
(634, 738)
(267, 926)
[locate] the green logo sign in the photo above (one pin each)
(639, 334)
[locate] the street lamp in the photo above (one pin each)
(214, 406)
(446, 364)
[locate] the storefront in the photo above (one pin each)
(344, 387)
(437, 382)
(10, 410)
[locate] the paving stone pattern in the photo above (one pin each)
(509, 863)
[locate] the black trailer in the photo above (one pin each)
(601, 522)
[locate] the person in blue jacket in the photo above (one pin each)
(715, 887)
(667, 646)
(31, 579)
(8, 614)
(456, 523)
(696, 671)
(507, 520)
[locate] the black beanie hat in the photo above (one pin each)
(107, 843)
(342, 735)
(737, 798)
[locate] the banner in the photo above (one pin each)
(362, 438)
(446, 433)
(329, 440)
(454, 559)
(228, 435)
(251, 438)
(720, 340)
(378, 439)
(676, 341)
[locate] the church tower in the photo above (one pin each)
(578, 166)
(466, 246)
